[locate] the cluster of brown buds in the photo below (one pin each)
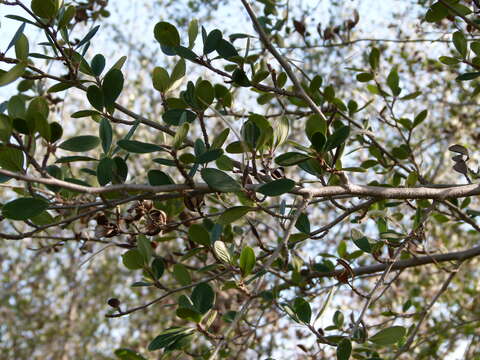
(91, 10)
(142, 216)
(340, 31)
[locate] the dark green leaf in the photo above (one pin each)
(80, 143)
(291, 158)
(181, 274)
(388, 336)
(24, 208)
(11, 159)
(127, 354)
(138, 147)
(337, 138)
(44, 8)
(106, 134)
(209, 155)
(158, 178)
(277, 187)
(302, 310)
(226, 50)
(460, 43)
(198, 234)
(7, 77)
(98, 64)
(219, 181)
(112, 87)
(88, 37)
(212, 41)
(174, 116)
(344, 349)
(240, 78)
(233, 214)
(95, 97)
(133, 259)
(105, 171)
(203, 297)
(468, 76)
(247, 260)
(166, 34)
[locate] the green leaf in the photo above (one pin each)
(181, 274)
(209, 155)
(166, 34)
(277, 187)
(98, 64)
(84, 113)
(145, 248)
(180, 135)
(344, 349)
(460, 43)
(233, 214)
(88, 37)
(44, 8)
(127, 354)
(80, 143)
(68, 159)
(365, 77)
(133, 259)
(212, 41)
(160, 79)
(204, 94)
(68, 15)
(437, 12)
(112, 87)
(203, 297)
(11, 159)
(219, 181)
(222, 252)
(374, 58)
(105, 171)
(175, 116)
(338, 319)
(420, 118)
(363, 244)
(240, 78)
(198, 234)
(106, 134)
(95, 97)
(388, 336)
(226, 50)
(178, 73)
(468, 76)
(158, 178)
(170, 338)
(158, 268)
(291, 158)
(24, 208)
(22, 48)
(247, 260)
(393, 82)
(337, 138)
(448, 60)
(319, 141)
(303, 224)
(7, 77)
(192, 33)
(302, 310)
(138, 147)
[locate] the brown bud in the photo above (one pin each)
(114, 302)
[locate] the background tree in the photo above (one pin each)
(253, 190)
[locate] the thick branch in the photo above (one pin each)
(422, 192)
(404, 264)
